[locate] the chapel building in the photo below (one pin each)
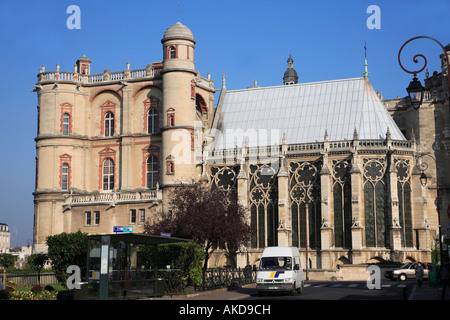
(321, 166)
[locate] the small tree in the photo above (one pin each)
(37, 261)
(210, 216)
(67, 249)
(7, 260)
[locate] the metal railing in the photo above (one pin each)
(227, 278)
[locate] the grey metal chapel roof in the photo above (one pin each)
(303, 112)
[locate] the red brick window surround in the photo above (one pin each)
(170, 165)
(66, 119)
(65, 178)
(172, 52)
(171, 117)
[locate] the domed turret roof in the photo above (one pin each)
(290, 75)
(178, 31)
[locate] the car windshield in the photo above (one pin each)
(276, 263)
(406, 266)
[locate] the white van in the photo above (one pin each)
(280, 269)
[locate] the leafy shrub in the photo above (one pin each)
(36, 289)
(49, 288)
(187, 257)
(5, 294)
(67, 249)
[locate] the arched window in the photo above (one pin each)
(66, 124)
(152, 172)
(172, 53)
(152, 120)
(170, 119)
(376, 227)
(342, 203)
(108, 174)
(404, 201)
(304, 181)
(65, 176)
(263, 205)
(109, 124)
(170, 165)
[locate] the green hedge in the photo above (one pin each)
(186, 256)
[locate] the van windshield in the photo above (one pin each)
(276, 263)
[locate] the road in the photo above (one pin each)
(314, 290)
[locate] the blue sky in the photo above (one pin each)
(247, 40)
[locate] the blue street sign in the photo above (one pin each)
(123, 229)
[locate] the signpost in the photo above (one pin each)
(123, 229)
(104, 267)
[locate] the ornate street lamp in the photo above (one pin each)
(423, 179)
(415, 87)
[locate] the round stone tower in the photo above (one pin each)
(179, 109)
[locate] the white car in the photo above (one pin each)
(406, 271)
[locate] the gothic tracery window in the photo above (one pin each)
(304, 189)
(404, 200)
(375, 203)
(224, 177)
(263, 195)
(342, 203)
